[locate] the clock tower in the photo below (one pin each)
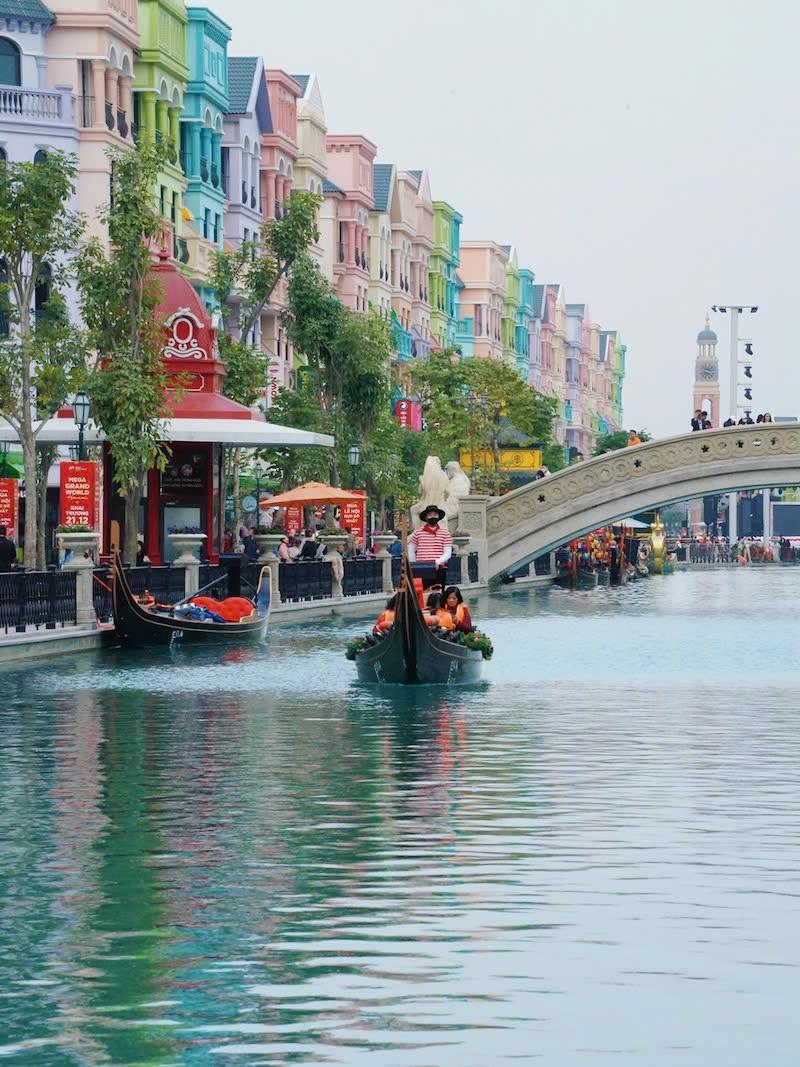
(706, 375)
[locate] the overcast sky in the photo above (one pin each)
(644, 155)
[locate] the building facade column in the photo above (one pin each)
(148, 112)
(174, 120)
(350, 241)
(279, 186)
(216, 155)
(112, 94)
(205, 153)
(195, 152)
(162, 120)
(125, 102)
(99, 87)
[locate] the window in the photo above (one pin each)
(163, 200)
(206, 223)
(40, 156)
(3, 155)
(246, 235)
(173, 213)
(217, 228)
(9, 63)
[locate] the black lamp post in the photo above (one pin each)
(353, 458)
(81, 407)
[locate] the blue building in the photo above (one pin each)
(202, 123)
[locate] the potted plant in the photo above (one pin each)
(381, 541)
(334, 536)
(78, 540)
(268, 537)
(188, 540)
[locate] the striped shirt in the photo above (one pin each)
(430, 545)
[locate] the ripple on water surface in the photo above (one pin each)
(247, 858)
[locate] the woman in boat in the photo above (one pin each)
(437, 614)
(386, 618)
(456, 608)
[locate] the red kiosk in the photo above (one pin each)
(191, 491)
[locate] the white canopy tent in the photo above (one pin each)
(237, 433)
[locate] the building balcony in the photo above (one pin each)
(34, 105)
(201, 255)
(402, 342)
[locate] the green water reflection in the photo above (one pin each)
(250, 859)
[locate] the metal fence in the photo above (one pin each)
(166, 584)
(304, 581)
(37, 598)
(362, 576)
(101, 593)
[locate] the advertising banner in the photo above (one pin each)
(77, 504)
(9, 507)
(408, 414)
(294, 520)
(353, 515)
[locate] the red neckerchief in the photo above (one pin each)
(431, 529)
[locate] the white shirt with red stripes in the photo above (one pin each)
(430, 543)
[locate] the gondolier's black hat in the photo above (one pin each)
(426, 511)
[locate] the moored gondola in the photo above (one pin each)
(410, 654)
(140, 625)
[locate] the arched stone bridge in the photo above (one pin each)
(511, 530)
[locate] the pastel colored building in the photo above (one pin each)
(311, 167)
(443, 284)
(380, 251)
(526, 328)
(247, 119)
(510, 306)
(91, 46)
(161, 71)
(483, 273)
(201, 130)
(349, 200)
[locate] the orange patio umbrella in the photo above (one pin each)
(311, 493)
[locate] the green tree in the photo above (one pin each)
(610, 442)
(251, 274)
(128, 385)
(348, 356)
(292, 466)
(41, 354)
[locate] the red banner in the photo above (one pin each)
(353, 515)
(9, 506)
(293, 523)
(409, 414)
(78, 496)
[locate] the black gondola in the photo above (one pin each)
(143, 626)
(411, 655)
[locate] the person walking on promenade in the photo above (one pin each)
(8, 552)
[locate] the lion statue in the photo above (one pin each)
(458, 486)
(433, 487)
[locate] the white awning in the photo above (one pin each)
(242, 433)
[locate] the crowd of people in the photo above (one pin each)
(443, 610)
(701, 421)
(744, 551)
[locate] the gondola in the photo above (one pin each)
(149, 626)
(584, 578)
(411, 655)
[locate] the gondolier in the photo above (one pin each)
(431, 544)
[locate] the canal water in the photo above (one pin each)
(592, 858)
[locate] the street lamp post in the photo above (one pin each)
(353, 458)
(259, 468)
(734, 310)
(81, 407)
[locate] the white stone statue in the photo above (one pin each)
(433, 486)
(458, 486)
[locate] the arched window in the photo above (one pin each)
(3, 155)
(40, 156)
(9, 63)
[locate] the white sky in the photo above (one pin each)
(643, 154)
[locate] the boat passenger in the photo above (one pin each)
(437, 613)
(386, 618)
(457, 609)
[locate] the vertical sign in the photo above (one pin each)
(353, 515)
(293, 523)
(9, 506)
(273, 382)
(78, 496)
(409, 415)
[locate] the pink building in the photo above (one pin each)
(483, 272)
(279, 152)
(348, 202)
